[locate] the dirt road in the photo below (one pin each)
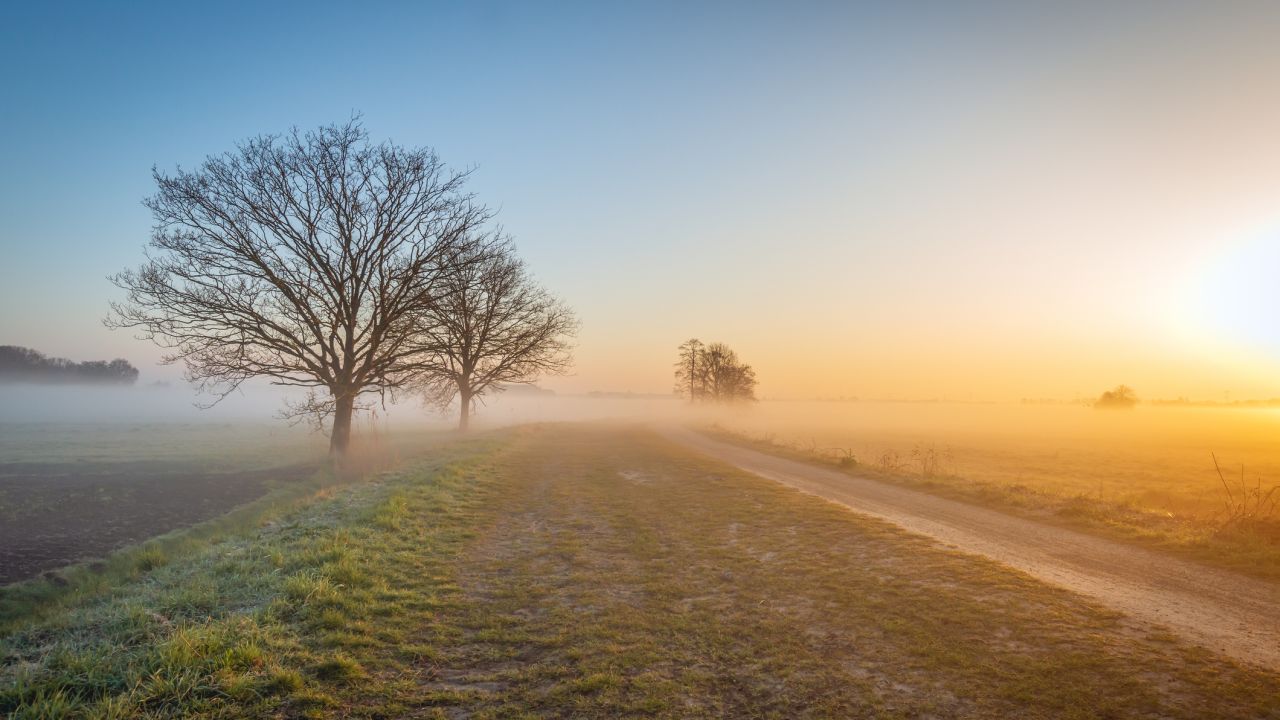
(1220, 610)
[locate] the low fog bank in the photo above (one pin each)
(263, 404)
(1051, 425)
(43, 423)
(512, 409)
(154, 403)
(1073, 445)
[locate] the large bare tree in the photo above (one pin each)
(307, 258)
(494, 326)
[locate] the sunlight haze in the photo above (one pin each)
(667, 360)
(993, 201)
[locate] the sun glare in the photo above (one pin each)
(1235, 298)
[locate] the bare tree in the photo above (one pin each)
(727, 378)
(689, 378)
(493, 326)
(713, 373)
(308, 259)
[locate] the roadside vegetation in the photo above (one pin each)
(1240, 532)
(564, 571)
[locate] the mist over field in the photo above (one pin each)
(260, 403)
(1158, 457)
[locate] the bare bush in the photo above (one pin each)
(929, 459)
(890, 461)
(845, 457)
(1248, 507)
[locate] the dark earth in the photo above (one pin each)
(56, 514)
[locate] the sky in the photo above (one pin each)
(881, 200)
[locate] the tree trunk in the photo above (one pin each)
(464, 416)
(340, 439)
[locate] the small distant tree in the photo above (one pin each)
(1121, 396)
(308, 259)
(493, 326)
(713, 373)
(689, 369)
(727, 378)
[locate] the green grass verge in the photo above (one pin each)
(572, 572)
(241, 616)
(1251, 549)
(53, 591)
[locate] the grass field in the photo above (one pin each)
(71, 493)
(216, 446)
(566, 571)
(1146, 475)
(1152, 457)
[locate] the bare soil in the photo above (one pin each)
(56, 514)
(1220, 610)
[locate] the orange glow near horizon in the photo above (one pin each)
(1203, 331)
(994, 202)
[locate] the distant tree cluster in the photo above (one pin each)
(1121, 396)
(356, 270)
(24, 365)
(713, 373)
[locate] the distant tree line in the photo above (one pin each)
(355, 270)
(713, 373)
(24, 365)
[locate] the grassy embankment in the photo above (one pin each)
(566, 571)
(1249, 544)
(96, 448)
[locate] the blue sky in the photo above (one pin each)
(856, 182)
(586, 127)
